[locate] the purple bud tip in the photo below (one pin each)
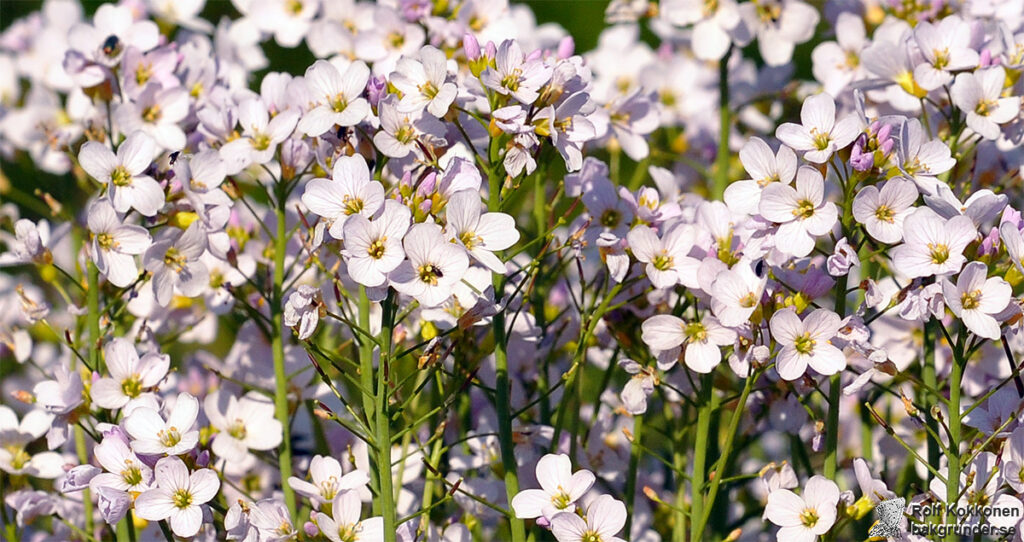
(535, 55)
(471, 46)
(985, 58)
(310, 528)
(884, 132)
(886, 146)
(566, 47)
(426, 205)
(427, 186)
(491, 50)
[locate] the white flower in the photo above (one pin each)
(802, 212)
(272, 520)
(242, 424)
(560, 489)
(14, 439)
(806, 342)
(179, 496)
(400, 132)
(736, 294)
(975, 299)
(423, 82)
(668, 260)
(154, 436)
(946, 48)
(339, 97)
(922, 159)
(344, 524)
(123, 174)
(130, 376)
(882, 211)
(302, 310)
(979, 95)
(703, 339)
(260, 136)
(351, 192)
(764, 167)
(327, 481)
(114, 244)
(819, 135)
(837, 63)
(481, 233)
(433, 266)
(605, 518)
(174, 262)
(94, 41)
(931, 244)
(804, 518)
(712, 23)
(31, 243)
(125, 471)
(779, 25)
(374, 248)
(640, 386)
(157, 111)
(514, 75)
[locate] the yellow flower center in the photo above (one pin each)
(121, 176)
(804, 344)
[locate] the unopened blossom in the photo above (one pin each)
(243, 424)
(433, 266)
(604, 520)
(932, 245)
(667, 257)
(882, 211)
(842, 259)
(179, 496)
(560, 489)
(326, 480)
(703, 339)
(804, 517)
(302, 311)
(980, 96)
(801, 212)
(175, 264)
(482, 233)
(424, 82)
(124, 173)
(975, 299)
(515, 75)
(806, 342)
(345, 523)
(764, 167)
(153, 435)
(819, 135)
(130, 375)
(338, 95)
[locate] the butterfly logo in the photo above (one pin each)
(890, 514)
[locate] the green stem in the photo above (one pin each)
(634, 462)
(708, 405)
(382, 417)
(284, 457)
(92, 302)
(953, 460)
(931, 383)
(722, 158)
(723, 462)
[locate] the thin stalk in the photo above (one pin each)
(708, 404)
(92, 301)
(284, 457)
(730, 437)
(931, 383)
(953, 460)
(634, 462)
(503, 392)
(722, 158)
(382, 417)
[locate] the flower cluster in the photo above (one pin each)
(454, 280)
